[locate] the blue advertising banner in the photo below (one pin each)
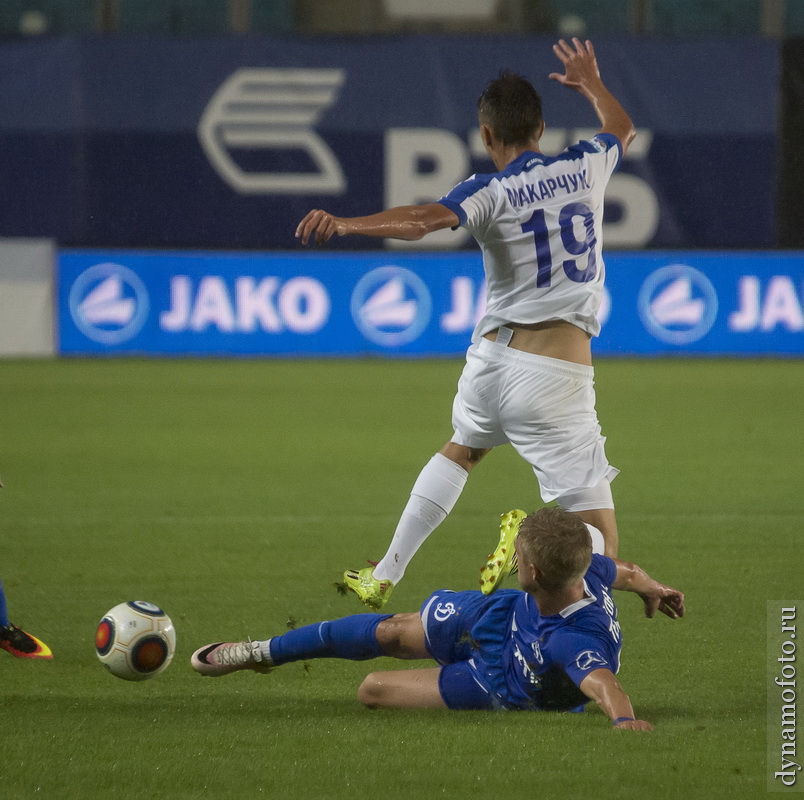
(683, 303)
(227, 143)
(353, 304)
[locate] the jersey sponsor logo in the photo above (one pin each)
(526, 667)
(108, 303)
(677, 304)
(597, 144)
(391, 306)
(588, 659)
(443, 611)
(611, 610)
(272, 110)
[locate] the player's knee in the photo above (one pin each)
(463, 456)
(371, 691)
(391, 635)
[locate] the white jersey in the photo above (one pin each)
(539, 225)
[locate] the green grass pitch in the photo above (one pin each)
(234, 493)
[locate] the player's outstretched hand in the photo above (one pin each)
(580, 64)
(319, 227)
(634, 725)
(665, 599)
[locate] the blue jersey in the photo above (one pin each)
(511, 656)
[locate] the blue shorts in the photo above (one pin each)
(448, 619)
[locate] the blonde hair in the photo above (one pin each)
(558, 544)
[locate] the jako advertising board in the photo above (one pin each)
(352, 304)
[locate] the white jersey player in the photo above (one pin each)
(528, 380)
(538, 223)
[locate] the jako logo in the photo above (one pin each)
(391, 306)
(677, 304)
(272, 110)
(108, 303)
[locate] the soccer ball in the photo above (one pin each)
(135, 640)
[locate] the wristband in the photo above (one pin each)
(622, 719)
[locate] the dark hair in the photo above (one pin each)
(558, 543)
(511, 107)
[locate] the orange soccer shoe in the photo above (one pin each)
(20, 644)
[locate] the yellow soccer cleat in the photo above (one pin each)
(502, 562)
(370, 591)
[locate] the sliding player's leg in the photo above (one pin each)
(409, 688)
(356, 638)
(441, 630)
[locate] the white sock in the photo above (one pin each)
(265, 651)
(419, 519)
(433, 496)
(598, 542)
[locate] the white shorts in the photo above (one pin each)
(544, 407)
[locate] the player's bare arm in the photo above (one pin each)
(602, 686)
(583, 75)
(403, 222)
(655, 595)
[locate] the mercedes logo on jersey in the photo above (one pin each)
(391, 306)
(677, 304)
(589, 659)
(108, 303)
